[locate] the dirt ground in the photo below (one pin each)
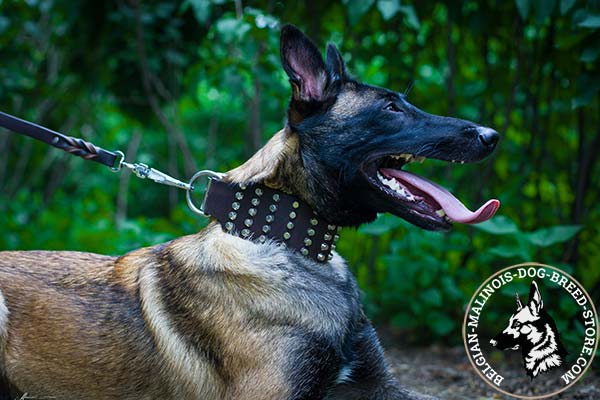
(447, 374)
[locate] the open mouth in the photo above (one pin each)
(420, 200)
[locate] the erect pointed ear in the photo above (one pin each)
(335, 63)
(535, 303)
(304, 65)
(519, 304)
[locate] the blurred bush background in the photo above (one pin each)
(184, 85)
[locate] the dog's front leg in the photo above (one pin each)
(367, 377)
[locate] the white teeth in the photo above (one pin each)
(440, 212)
(407, 158)
(396, 187)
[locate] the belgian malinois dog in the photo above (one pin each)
(534, 331)
(224, 314)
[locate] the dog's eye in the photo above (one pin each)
(516, 325)
(392, 107)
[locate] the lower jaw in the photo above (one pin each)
(430, 224)
(402, 209)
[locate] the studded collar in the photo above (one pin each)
(258, 213)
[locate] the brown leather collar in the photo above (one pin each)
(258, 213)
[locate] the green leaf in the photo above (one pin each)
(523, 8)
(431, 297)
(587, 87)
(357, 8)
(548, 236)
(4, 23)
(232, 29)
(566, 5)
(388, 8)
(518, 247)
(590, 54)
(506, 251)
(411, 17)
(568, 42)
(201, 9)
(383, 224)
(543, 9)
(403, 321)
(590, 21)
(442, 324)
(526, 248)
(499, 225)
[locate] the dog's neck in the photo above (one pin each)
(261, 200)
(276, 165)
(290, 163)
(259, 213)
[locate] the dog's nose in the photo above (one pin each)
(493, 342)
(488, 136)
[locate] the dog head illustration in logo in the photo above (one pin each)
(534, 331)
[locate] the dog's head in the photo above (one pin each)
(526, 326)
(354, 140)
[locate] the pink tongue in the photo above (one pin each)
(454, 209)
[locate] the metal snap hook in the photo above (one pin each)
(120, 163)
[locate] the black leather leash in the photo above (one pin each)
(115, 160)
(253, 212)
(75, 146)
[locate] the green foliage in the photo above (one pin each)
(515, 244)
(198, 84)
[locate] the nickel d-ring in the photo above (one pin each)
(188, 195)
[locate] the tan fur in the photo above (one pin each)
(192, 374)
(88, 326)
(3, 317)
(277, 165)
(3, 324)
(59, 329)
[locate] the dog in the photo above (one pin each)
(532, 330)
(223, 314)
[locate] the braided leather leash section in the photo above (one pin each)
(80, 148)
(72, 145)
